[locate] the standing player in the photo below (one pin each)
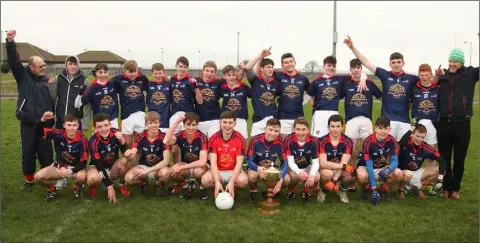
(302, 156)
(192, 145)
(234, 94)
(378, 149)
(159, 95)
(226, 153)
(263, 151)
(152, 153)
(105, 165)
(101, 95)
(71, 147)
(264, 90)
(335, 152)
(413, 151)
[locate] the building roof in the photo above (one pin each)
(26, 50)
(100, 56)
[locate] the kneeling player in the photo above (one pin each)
(226, 154)
(302, 155)
(193, 148)
(154, 155)
(72, 154)
(105, 166)
(413, 151)
(378, 149)
(335, 152)
(263, 151)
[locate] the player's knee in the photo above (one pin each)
(347, 178)
(252, 176)
(93, 180)
(199, 172)
(326, 174)
(129, 178)
(242, 181)
(207, 180)
(397, 174)
(362, 177)
(286, 180)
(38, 177)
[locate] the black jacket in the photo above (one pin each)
(456, 92)
(33, 93)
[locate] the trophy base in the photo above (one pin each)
(267, 207)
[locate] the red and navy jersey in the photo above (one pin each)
(227, 151)
(359, 104)
(182, 93)
(264, 91)
(235, 99)
(290, 91)
(103, 98)
(302, 154)
(326, 92)
(104, 151)
(377, 151)
(425, 102)
(396, 94)
(412, 156)
(69, 151)
(264, 152)
(210, 108)
(131, 94)
(152, 150)
(190, 150)
(159, 99)
(335, 153)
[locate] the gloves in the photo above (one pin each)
(78, 102)
(349, 169)
(384, 173)
(331, 185)
(438, 185)
(415, 121)
(375, 197)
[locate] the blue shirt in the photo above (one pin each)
(359, 104)
(377, 151)
(326, 92)
(335, 153)
(265, 153)
(190, 151)
(210, 108)
(159, 99)
(263, 96)
(290, 91)
(151, 151)
(411, 157)
(302, 154)
(71, 152)
(104, 151)
(182, 93)
(131, 94)
(103, 98)
(396, 94)
(235, 99)
(425, 102)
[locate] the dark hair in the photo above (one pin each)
(228, 68)
(157, 66)
(420, 128)
(396, 55)
(300, 121)
(182, 60)
(330, 59)
(266, 61)
(287, 55)
(355, 63)
(72, 59)
(228, 115)
(273, 122)
(99, 66)
(382, 122)
(69, 118)
(335, 118)
(99, 117)
(191, 117)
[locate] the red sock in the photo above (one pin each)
(76, 187)
(29, 178)
(50, 187)
(306, 189)
(292, 190)
(384, 188)
(367, 187)
(253, 188)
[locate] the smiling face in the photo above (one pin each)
(227, 125)
(272, 132)
(103, 127)
(335, 128)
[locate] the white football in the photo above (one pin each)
(224, 201)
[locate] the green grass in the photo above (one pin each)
(26, 217)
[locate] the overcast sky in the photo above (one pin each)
(424, 32)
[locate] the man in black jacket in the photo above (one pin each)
(456, 98)
(34, 109)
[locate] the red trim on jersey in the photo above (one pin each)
(209, 81)
(225, 85)
(75, 138)
(267, 80)
(291, 76)
(420, 86)
(186, 76)
(398, 75)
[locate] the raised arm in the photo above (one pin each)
(170, 139)
(370, 66)
(87, 109)
(13, 58)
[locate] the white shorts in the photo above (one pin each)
(399, 129)
(259, 127)
(93, 166)
(180, 126)
(359, 127)
(58, 166)
(114, 123)
(209, 127)
(134, 123)
(151, 175)
(431, 137)
(320, 123)
(375, 172)
(286, 126)
(226, 175)
(241, 127)
(416, 180)
(164, 130)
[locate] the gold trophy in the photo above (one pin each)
(270, 205)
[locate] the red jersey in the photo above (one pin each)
(227, 151)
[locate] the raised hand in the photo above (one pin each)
(266, 52)
(11, 35)
(439, 72)
(348, 42)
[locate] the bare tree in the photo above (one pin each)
(312, 66)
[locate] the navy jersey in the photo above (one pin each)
(159, 99)
(326, 92)
(152, 151)
(302, 154)
(72, 152)
(104, 151)
(265, 153)
(235, 99)
(131, 94)
(103, 98)
(210, 108)
(412, 156)
(396, 94)
(334, 153)
(190, 151)
(182, 93)
(264, 91)
(359, 104)
(377, 151)
(291, 90)
(425, 102)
